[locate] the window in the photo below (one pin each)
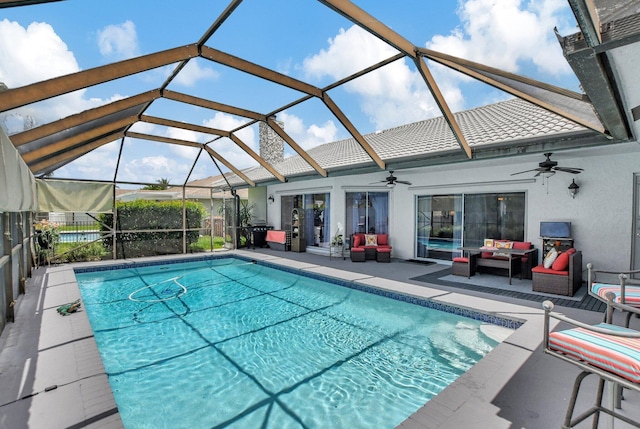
(367, 212)
(497, 216)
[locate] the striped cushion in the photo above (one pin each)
(631, 293)
(617, 355)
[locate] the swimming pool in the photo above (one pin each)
(82, 236)
(226, 343)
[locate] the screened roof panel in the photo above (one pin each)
(220, 69)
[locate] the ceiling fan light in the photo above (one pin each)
(391, 185)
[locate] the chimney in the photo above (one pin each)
(271, 145)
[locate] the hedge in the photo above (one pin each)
(152, 215)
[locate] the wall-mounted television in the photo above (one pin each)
(555, 229)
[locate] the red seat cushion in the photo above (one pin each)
(561, 263)
(357, 249)
(383, 249)
(276, 236)
(461, 259)
(542, 270)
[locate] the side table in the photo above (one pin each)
(336, 251)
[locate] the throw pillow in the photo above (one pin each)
(562, 262)
(550, 258)
(502, 245)
(521, 245)
(488, 242)
(356, 241)
(371, 239)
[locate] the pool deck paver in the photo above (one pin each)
(514, 386)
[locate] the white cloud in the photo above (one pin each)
(148, 169)
(351, 50)
(227, 148)
(186, 152)
(390, 96)
(118, 41)
(508, 34)
(98, 164)
(192, 73)
(33, 54)
(308, 136)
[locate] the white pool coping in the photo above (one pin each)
(67, 355)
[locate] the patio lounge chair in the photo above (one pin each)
(626, 292)
(611, 352)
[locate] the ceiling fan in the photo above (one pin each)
(391, 181)
(549, 167)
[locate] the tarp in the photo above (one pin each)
(17, 184)
(72, 196)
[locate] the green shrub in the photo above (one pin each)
(91, 252)
(152, 215)
(204, 244)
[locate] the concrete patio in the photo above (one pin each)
(52, 376)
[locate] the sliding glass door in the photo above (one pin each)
(438, 226)
(446, 222)
(317, 223)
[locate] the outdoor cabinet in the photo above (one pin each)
(561, 244)
(298, 243)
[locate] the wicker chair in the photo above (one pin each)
(561, 282)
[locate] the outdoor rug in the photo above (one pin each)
(521, 289)
(502, 283)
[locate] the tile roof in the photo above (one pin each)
(504, 122)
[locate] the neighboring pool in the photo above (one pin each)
(225, 342)
(73, 237)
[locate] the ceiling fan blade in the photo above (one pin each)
(572, 170)
(525, 171)
(404, 182)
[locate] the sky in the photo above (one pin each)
(299, 38)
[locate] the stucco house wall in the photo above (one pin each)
(601, 214)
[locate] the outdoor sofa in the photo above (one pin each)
(370, 247)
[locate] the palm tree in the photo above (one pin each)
(162, 184)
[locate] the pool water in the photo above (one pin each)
(74, 237)
(230, 343)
